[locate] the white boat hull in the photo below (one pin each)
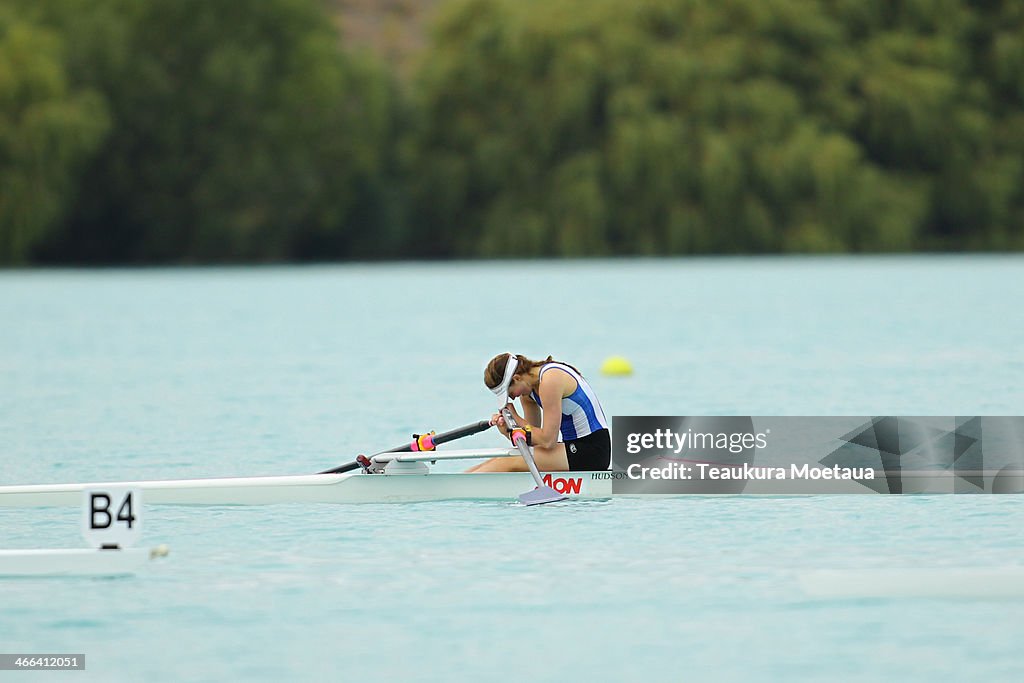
(319, 488)
(74, 562)
(407, 479)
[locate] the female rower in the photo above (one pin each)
(555, 399)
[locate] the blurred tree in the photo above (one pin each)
(241, 132)
(223, 130)
(674, 126)
(47, 128)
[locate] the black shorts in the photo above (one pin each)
(592, 452)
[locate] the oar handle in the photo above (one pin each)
(438, 439)
(419, 444)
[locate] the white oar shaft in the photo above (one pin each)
(524, 449)
(528, 457)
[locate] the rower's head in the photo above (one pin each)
(512, 375)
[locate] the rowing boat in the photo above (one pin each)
(406, 479)
(320, 488)
(76, 561)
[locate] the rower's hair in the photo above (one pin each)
(495, 370)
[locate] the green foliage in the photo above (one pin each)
(241, 131)
(47, 128)
(676, 126)
(170, 131)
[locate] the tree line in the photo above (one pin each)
(197, 131)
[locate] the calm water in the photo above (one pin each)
(173, 373)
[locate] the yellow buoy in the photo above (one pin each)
(616, 366)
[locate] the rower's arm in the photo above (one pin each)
(531, 410)
(552, 389)
(520, 420)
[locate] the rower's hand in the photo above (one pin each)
(498, 421)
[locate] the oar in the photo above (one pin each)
(543, 493)
(424, 442)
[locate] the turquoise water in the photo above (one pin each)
(174, 373)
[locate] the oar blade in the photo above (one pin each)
(541, 495)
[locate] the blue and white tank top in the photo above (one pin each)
(581, 411)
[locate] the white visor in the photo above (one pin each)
(501, 391)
